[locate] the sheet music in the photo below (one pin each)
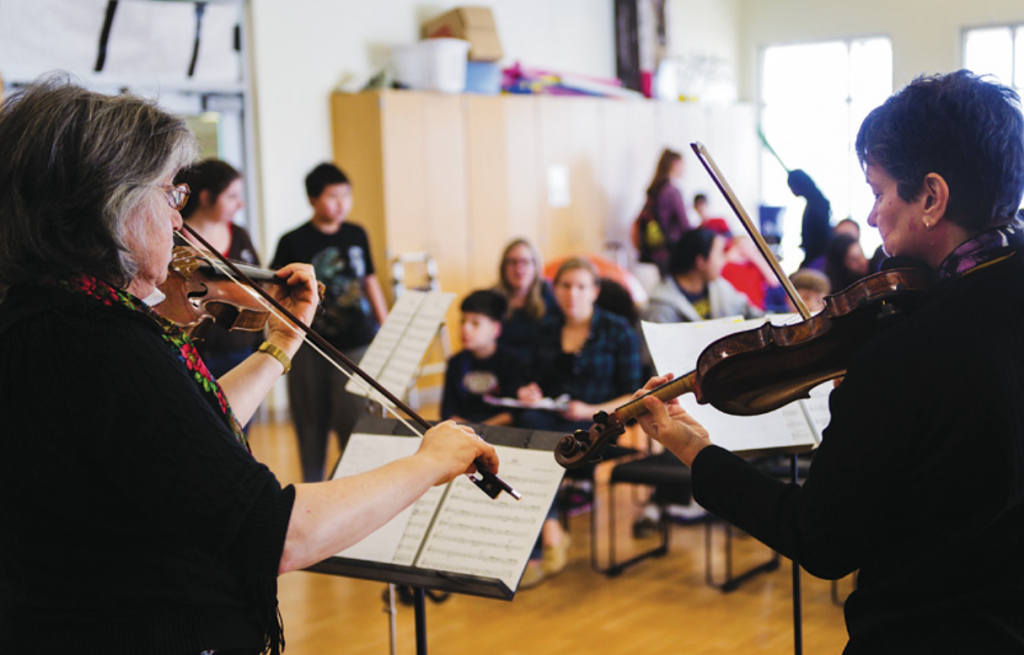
(387, 338)
(675, 347)
(400, 345)
(475, 535)
(468, 533)
(422, 513)
(366, 452)
(416, 339)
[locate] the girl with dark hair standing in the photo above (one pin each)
(664, 211)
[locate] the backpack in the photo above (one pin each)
(647, 234)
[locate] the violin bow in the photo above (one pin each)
(488, 482)
(716, 175)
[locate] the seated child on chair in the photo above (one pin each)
(483, 367)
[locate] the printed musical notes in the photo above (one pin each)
(403, 340)
(366, 452)
(493, 538)
(454, 528)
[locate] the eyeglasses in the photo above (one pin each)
(177, 195)
(518, 262)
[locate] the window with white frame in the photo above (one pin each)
(814, 97)
(996, 51)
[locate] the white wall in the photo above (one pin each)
(926, 34)
(303, 49)
(704, 36)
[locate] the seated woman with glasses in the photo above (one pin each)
(134, 517)
(529, 296)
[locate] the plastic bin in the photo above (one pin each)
(483, 77)
(432, 65)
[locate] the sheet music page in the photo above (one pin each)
(675, 347)
(386, 340)
(816, 409)
(419, 333)
(493, 538)
(366, 452)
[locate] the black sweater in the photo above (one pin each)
(131, 520)
(919, 481)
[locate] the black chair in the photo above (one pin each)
(672, 485)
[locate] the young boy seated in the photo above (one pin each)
(483, 367)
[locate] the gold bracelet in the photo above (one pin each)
(276, 353)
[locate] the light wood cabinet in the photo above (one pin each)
(460, 176)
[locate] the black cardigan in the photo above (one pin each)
(131, 520)
(919, 481)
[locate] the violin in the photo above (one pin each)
(197, 299)
(760, 370)
(199, 293)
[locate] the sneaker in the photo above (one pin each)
(556, 558)
(532, 576)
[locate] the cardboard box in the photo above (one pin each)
(474, 24)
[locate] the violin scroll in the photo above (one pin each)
(582, 447)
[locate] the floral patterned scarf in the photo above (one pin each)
(986, 248)
(175, 338)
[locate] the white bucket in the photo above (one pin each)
(433, 65)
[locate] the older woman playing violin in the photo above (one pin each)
(919, 481)
(134, 518)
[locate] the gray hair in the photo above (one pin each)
(78, 173)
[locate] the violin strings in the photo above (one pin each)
(367, 390)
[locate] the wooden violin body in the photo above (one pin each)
(198, 294)
(760, 370)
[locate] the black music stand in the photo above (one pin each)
(421, 579)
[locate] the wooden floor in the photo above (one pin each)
(660, 606)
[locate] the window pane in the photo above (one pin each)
(867, 58)
(815, 98)
(990, 52)
(790, 70)
(1018, 66)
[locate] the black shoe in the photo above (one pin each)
(644, 527)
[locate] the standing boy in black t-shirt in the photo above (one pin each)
(483, 367)
(353, 309)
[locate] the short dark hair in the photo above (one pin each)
(210, 175)
(323, 176)
(965, 128)
(696, 242)
(78, 172)
(487, 302)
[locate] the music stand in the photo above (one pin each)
(422, 573)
